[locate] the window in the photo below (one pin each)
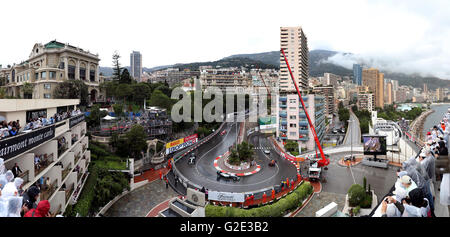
(61, 65)
(36, 76)
(292, 101)
(92, 75)
(293, 134)
(43, 75)
(292, 125)
(292, 108)
(52, 74)
(71, 72)
(47, 86)
(292, 117)
(83, 73)
(47, 96)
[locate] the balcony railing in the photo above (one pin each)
(62, 148)
(77, 157)
(66, 171)
(84, 147)
(44, 161)
(48, 191)
(79, 175)
(69, 192)
(25, 176)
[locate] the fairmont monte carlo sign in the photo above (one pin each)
(16, 145)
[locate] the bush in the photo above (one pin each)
(356, 210)
(277, 209)
(356, 195)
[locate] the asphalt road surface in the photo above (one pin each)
(204, 174)
(354, 135)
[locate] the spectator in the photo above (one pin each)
(29, 199)
(47, 183)
(42, 210)
(2, 166)
(16, 170)
(13, 131)
(19, 182)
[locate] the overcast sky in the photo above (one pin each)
(403, 35)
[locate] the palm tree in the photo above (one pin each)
(27, 90)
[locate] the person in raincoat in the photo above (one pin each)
(2, 166)
(42, 210)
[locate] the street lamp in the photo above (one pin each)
(351, 138)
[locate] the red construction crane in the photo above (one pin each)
(262, 78)
(324, 161)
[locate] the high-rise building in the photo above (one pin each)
(389, 93)
(295, 45)
(357, 74)
(373, 79)
(328, 93)
(439, 94)
(331, 80)
(136, 65)
(293, 123)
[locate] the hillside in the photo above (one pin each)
(317, 67)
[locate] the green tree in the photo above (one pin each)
(118, 109)
(2, 93)
(245, 151)
(109, 88)
(116, 66)
(164, 89)
(72, 89)
(159, 99)
(136, 139)
(125, 77)
(123, 91)
(140, 92)
(27, 90)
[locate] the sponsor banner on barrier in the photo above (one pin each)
(182, 143)
(226, 197)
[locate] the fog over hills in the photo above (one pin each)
(321, 61)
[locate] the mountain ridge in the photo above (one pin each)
(318, 65)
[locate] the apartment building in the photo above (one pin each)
(366, 101)
(295, 45)
(373, 79)
(294, 124)
(56, 151)
(330, 101)
(389, 93)
(331, 79)
(229, 80)
(172, 75)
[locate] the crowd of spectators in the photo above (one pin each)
(13, 128)
(16, 202)
(413, 194)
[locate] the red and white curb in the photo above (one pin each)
(258, 168)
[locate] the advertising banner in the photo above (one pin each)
(226, 197)
(76, 120)
(16, 145)
(182, 143)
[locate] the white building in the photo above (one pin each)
(61, 148)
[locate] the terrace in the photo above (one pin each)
(41, 162)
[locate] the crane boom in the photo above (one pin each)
(262, 78)
(324, 161)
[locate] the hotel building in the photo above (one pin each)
(48, 65)
(61, 148)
